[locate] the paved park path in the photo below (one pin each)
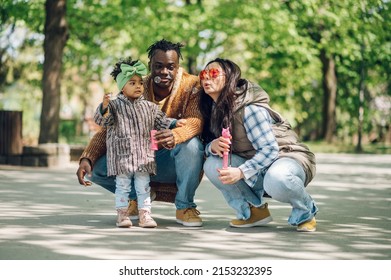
(45, 214)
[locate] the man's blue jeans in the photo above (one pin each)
(283, 181)
(181, 165)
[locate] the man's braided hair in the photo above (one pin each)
(165, 46)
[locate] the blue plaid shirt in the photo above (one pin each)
(257, 122)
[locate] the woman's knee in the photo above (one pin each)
(283, 179)
(210, 168)
(275, 180)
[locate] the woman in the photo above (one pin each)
(265, 153)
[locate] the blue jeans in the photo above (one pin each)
(124, 183)
(283, 181)
(181, 165)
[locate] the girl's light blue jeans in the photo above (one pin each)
(283, 181)
(123, 185)
(181, 165)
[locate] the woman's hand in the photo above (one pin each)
(165, 139)
(230, 175)
(220, 145)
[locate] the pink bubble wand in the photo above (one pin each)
(226, 134)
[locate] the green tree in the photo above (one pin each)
(321, 61)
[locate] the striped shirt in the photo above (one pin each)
(129, 124)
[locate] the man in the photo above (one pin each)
(180, 153)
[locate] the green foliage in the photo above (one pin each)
(68, 129)
(276, 43)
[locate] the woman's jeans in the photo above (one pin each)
(283, 181)
(181, 165)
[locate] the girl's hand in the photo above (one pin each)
(230, 175)
(181, 122)
(220, 145)
(106, 100)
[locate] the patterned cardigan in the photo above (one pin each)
(128, 125)
(182, 103)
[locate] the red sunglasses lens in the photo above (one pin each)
(203, 75)
(213, 73)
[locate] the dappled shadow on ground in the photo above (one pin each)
(45, 214)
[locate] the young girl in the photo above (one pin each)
(129, 120)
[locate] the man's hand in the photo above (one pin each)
(84, 168)
(165, 138)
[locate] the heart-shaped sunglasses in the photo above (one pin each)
(212, 73)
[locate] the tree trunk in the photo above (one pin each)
(330, 97)
(11, 138)
(56, 35)
(361, 87)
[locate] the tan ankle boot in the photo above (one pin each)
(259, 216)
(132, 210)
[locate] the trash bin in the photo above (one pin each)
(11, 133)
